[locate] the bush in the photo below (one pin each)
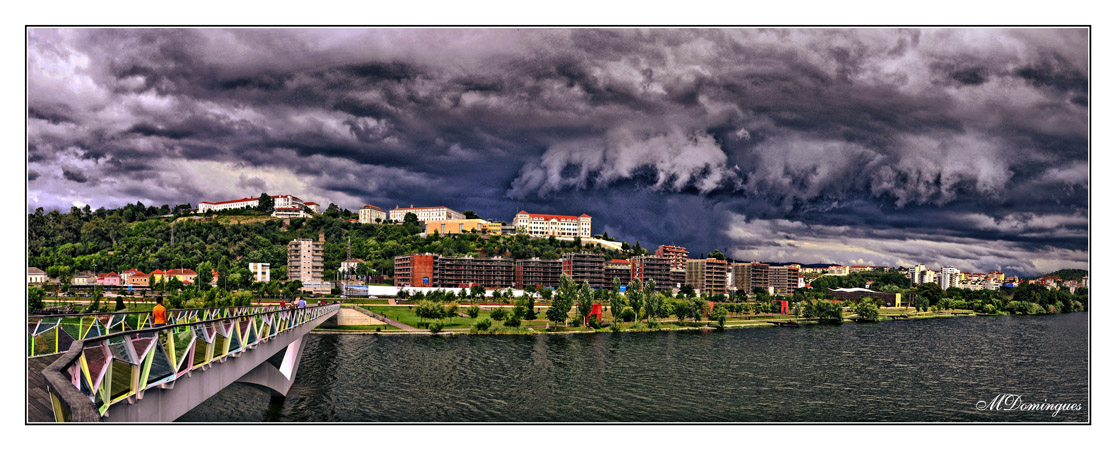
(473, 311)
(512, 321)
(594, 322)
(499, 314)
(435, 327)
(627, 314)
(615, 327)
(483, 325)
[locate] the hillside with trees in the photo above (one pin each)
(137, 237)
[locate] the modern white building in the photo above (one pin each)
(837, 271)
(369, 214)
(949, 277)
(425, 213)
(543, 225)
(261, 272)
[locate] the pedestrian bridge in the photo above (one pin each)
(118, 367)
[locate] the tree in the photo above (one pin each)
(867, 311)
(205, 275)
(930, 291)
(333, 211)
(35, 296)
(563, 300)
(473, 311)
(719, 314)
(635, 296)
(615, 300)
(499, 314)
(687, 291)
(410, 218)
(477, 291)
(469, 214)
(716, 254)
(95, 304)
(266, 203)
(430, 310)
(584, 301)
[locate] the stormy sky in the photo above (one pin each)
(963, 147)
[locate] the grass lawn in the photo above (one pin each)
(407, 315)
(366, 301)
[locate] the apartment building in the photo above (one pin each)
(305, 260)
(618, 268)
(543, 225)
(776, 280)
(674, 254)
(537, 272)
(708, 275)
(949, 277)
(647, 268)
(371, 214)
(584, 267)
(467, 271)
(415, 270)
(426, 213)
(261, 272)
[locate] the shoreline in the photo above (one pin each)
(533, 332)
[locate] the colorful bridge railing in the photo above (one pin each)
(54, 333)
(100, 370)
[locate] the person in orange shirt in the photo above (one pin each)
(159, 314)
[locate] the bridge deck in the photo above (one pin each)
(38, 401)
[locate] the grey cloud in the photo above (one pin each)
(871, 129)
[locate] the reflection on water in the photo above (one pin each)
(916, 370)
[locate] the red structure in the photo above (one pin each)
(597, 311)
(784, 307)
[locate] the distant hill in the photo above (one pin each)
(1069, 274)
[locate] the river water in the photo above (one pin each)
(904, 371)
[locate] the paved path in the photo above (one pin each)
(38, 401)
(346, 316)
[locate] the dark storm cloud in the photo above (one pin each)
(73, 174)
(764, 143)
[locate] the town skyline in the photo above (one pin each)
(875, 147)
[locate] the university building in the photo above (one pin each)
(543, 225)
(278, 201)
(369, 213)
(425, 214)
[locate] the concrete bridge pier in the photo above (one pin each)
(278, 380)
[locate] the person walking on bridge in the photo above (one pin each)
(301, 303)
(159, 313)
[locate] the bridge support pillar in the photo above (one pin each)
(277, 379)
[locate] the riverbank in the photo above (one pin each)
(767, 320)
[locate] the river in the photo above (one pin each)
(903, 371)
